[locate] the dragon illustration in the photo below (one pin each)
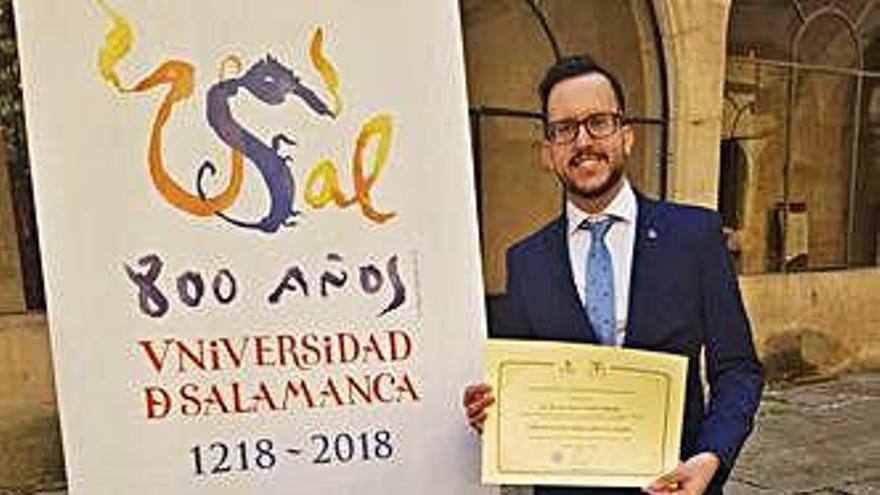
(270, 82)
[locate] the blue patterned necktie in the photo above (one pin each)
(599, 287)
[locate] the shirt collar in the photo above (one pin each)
(622, 207)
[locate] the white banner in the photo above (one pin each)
(259, 241)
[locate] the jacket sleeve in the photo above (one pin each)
(734, 374)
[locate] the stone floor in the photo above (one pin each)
(816, 439)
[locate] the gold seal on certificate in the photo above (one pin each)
(581, 415)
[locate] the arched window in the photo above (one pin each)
(813, 198)
(508, 46)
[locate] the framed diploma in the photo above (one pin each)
(581, 415)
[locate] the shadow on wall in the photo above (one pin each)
(804, 355)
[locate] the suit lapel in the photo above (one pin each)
(578, 327)
(648, 235)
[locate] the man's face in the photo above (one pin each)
(588, 167)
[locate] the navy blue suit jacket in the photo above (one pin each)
(684, 298)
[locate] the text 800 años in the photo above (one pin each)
(193, 288)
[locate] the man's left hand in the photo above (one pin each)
(689, 478)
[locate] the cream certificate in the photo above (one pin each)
(581, 415)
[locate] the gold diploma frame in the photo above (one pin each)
(580, 414)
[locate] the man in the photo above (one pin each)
(670, 287)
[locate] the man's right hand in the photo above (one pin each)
(477, 398)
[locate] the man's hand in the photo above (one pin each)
(477, 398)
(689, 478)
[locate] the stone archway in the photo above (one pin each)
(694, 37)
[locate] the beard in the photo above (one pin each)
(614, 177)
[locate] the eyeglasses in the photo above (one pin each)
(598, 126)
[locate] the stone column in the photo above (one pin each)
(694, 36)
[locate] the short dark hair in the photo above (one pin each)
(574, 66)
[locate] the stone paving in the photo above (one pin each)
(817, 439)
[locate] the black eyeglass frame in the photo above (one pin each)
(551, 131)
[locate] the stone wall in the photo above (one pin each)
(815, 323)
(30, 441)
(11, 288)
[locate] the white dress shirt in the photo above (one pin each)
(620, 240)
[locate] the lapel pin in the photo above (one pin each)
(652, 234)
